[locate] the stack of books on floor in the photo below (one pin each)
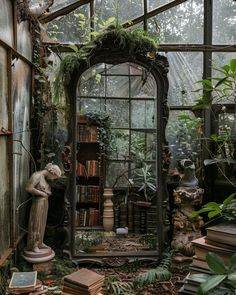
(221, 240)
(26, 283)
(83, 282)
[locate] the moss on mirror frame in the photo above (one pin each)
(135, 42)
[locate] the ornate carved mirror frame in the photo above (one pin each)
(158, 67)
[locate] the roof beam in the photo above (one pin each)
(45, 18)
(161, 47)
(153, 13)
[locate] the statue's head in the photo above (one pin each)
(54, 170)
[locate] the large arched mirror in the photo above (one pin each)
(127, 95)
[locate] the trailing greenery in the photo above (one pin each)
(222, 279)
(161, 273)
(105, 135)
(136, 41)
(219, 211)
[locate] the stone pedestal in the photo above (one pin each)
(43, 255)
(186, 227)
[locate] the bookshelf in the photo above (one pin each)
(89, 174)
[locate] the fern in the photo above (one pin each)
(159, 274)
(118, 288)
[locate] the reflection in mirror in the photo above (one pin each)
(126, 93)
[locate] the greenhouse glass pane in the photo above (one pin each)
(92, 82)
(125, 10)
(5, 217)
(185, 69)
(117, 86)
(118, 111)
(143, 87)
(220, 59)
(117, 174)
(121, 144)
(73, 27)
(3, 89)
(21, 90)
(153, 4)
(121, 69)
(180, 24)
(182, 134)
(6, 22)
(24, 42)
(143, 143)
(224, 22)
(142, 114)
(91, 105)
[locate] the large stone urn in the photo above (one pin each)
(108, 212)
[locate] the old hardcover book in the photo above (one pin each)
(223, 233)
(85, 278)
(202, 248)
(24, 281)
(196, 270)
(200, 263)
(221, 245)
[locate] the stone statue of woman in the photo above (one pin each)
(36, 250)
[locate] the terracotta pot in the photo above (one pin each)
(108, 212)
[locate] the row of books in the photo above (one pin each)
(84, 282)
(87, 217)
(87, 133)
(138, 219)
(88, 193)
(91, 168)
(221, 240)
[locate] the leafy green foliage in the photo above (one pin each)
(154, 275)
(112, 286)
(221, 90)
(223, 276)
(225, 210)
(223, 86)
(158, 274)
(105, 135)
(146, 181)
(136, 41)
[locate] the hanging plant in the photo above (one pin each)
(103, 123)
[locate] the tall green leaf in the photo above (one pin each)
(233, 65)
(210, 284)
(233, 261)
(215, 263)
(229, 199)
